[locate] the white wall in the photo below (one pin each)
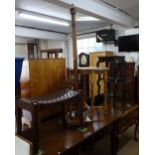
(49, 44)
(21, 50)
(120, 31)
(21, 46)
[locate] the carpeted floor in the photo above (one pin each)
(131, 148)
(128, 146)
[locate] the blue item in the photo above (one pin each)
(18, 69)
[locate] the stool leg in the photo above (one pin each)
(35, 127)
(19, 120)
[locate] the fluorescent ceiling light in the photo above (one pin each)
(87, 19)
(42, 19)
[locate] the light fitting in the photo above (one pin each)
(42, 18)
(87, 18)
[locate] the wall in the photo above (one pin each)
(21, 46)
(120, 31)
(49, 44)
(67, 44)
(21, 50)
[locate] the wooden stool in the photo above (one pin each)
(71, 110)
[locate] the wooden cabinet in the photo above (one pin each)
(130, 88)
(93, 60)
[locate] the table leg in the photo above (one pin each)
(114, 140)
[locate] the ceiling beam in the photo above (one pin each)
(34, 33)
(97, 10)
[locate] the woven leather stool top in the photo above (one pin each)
(62, 95)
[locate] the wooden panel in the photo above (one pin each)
(93, 60)
(46, 75)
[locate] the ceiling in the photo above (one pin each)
(127, 7)
(130, 7)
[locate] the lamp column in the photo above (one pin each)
(73, 12)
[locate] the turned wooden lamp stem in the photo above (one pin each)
(73, 12)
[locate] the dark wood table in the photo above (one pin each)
(55, 139)
(58, 140)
